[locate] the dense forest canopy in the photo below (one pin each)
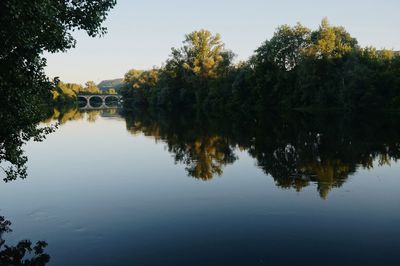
(297, 68)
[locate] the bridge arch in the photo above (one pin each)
(103, 98)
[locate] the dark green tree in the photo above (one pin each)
(27, 30)
(191, 69)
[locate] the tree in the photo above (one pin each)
(190, 69)
(274, 65)
(296, 68)
(286, 48)
(203, 54)
(30, 28)
(132, 76)
(91, 88)
(138, 86)
(65, 93)
(111, 91)
(331, 42)
(27, 30)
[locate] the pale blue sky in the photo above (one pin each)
(141, 33)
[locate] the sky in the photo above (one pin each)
(142, 33)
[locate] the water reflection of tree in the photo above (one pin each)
(323, 149)
(14, 133)
(203, 154)
(295, 149)
(24, 253)
(64, 115)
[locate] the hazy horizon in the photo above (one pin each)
(140, 35)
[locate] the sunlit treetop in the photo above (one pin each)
(331, 41)
(203, 54)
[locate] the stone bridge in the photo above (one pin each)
(103, 98)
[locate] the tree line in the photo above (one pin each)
(298, 68)
(64, 93)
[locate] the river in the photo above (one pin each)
(131, 189)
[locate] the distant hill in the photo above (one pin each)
(116, 84)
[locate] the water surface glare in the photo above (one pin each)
(108, 191)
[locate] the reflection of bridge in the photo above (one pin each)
(103, 98)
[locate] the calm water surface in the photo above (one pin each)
(108, 190)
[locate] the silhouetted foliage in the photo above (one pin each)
(27, 30)
(22, 254)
